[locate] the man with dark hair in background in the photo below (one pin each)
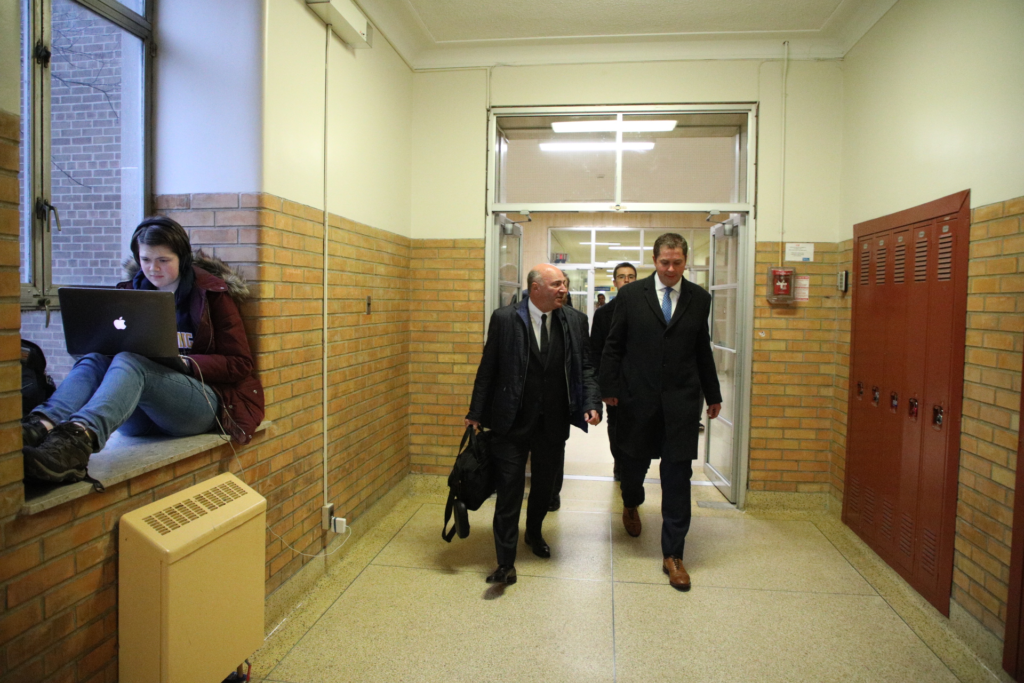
(623, 274)
(656, 363)
(535, 379)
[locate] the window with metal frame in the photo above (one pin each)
(86, 151)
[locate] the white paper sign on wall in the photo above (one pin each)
(800, 251)
(802, 291)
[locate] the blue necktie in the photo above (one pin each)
(666, 304)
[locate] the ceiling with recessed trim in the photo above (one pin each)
(460, 33)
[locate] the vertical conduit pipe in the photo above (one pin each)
(782, 183)
(327, 241)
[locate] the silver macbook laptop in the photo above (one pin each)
(110, 321)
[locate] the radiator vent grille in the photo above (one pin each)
(176, 516)
(946, 257)
(899, 263)
(921, 261)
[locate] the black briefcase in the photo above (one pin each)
(469, 484)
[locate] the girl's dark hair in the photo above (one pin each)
(157, 231)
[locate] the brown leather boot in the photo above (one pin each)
(677, 576)
(631, 520)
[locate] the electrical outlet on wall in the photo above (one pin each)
(338, 525)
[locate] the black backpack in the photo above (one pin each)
(36, 385)
(470, 482)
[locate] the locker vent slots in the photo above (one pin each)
(865, 266)
(899, 263)
(880, 266)
(945, 257)
(921, 260)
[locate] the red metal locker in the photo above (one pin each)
(906, 389)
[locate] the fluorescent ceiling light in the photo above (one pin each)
(601, 244)
(596, 146)
(624, 248)
(613, 126)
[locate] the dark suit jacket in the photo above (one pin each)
(501, 377)
(599, 332)
(658, 370)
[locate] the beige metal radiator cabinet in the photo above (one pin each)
(191, 584)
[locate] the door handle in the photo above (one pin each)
(912, 410)
(937, 416)
(894, 401)
(860, 390)
(875, 396)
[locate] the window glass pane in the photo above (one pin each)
(544, 166)
(97, 144)
(137, 6)
(96, 161)
(570, 245)
(616, 246)
(702, 159)
(723, 327)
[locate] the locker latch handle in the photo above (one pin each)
(894, 401)
(913, 408)
(937, 415)
(876, 395)
(860, 389)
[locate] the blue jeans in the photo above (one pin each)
(131, 393)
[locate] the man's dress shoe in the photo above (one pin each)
(505, 574)
(677, 576)
(556, 502)
(538, 545)
(631, 520)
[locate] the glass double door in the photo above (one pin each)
(722, 447)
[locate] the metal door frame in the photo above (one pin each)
(745, 294)
(745, 249)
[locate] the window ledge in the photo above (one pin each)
(123, 458)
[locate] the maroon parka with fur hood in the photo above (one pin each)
(219, 345)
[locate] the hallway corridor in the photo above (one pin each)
(777, 596)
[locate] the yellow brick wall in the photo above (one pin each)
(446, 326)
(991, 421)
(794, 387)
(11, 490)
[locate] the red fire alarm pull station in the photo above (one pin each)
(781, 285)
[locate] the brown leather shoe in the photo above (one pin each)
(677, 576)
(631, 520)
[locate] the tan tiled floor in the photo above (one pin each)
(773, 599)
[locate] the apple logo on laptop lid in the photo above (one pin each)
(120, 323)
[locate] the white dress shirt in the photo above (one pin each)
(673, 295)
(535, 314)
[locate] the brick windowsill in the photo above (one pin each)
(123, 458)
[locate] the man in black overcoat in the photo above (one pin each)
(535, 379)
(657, 361)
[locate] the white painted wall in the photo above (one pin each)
(369, 133)
(10, 44)
(208, 96)
(449, 164)
(370, 152)
(934, 104)
(293, 102)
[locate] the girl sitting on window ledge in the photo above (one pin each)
(141, 397)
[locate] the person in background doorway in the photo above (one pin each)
(600, 301)
(535, 379)
(623, 274)
(656, 362)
